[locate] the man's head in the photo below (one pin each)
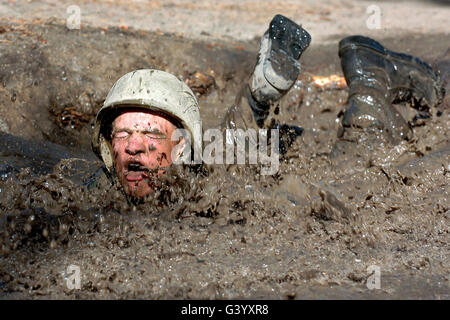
(133, 130)
(142, 149)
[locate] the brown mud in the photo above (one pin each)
(310, 231)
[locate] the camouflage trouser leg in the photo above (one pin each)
(247, 113)
(241, 115)
(240, 124)
(249, 127)
(247, 140)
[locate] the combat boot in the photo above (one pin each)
(376, 78)
(277, 66)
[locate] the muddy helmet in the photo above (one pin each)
(148, 89)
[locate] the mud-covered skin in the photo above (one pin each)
(142, 147)
(310, 231)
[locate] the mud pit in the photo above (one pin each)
(310, 231)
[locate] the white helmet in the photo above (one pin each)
(152, 90)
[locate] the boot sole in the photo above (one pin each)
(287, 42)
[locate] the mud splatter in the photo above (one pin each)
(226, 232)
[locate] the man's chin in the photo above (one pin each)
(138, 190)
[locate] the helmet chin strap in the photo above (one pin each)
(106, 153)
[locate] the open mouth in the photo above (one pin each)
(136, 167)
(136, 172)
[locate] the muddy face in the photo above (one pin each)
(142, 149)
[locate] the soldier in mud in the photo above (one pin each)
(133, 133)
(133, 130)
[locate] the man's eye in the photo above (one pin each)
(121, 135)
(155, 136)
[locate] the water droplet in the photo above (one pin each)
(27, 228)
(53, 244)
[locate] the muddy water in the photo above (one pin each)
(310, 231)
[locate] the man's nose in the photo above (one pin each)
(135, 144)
